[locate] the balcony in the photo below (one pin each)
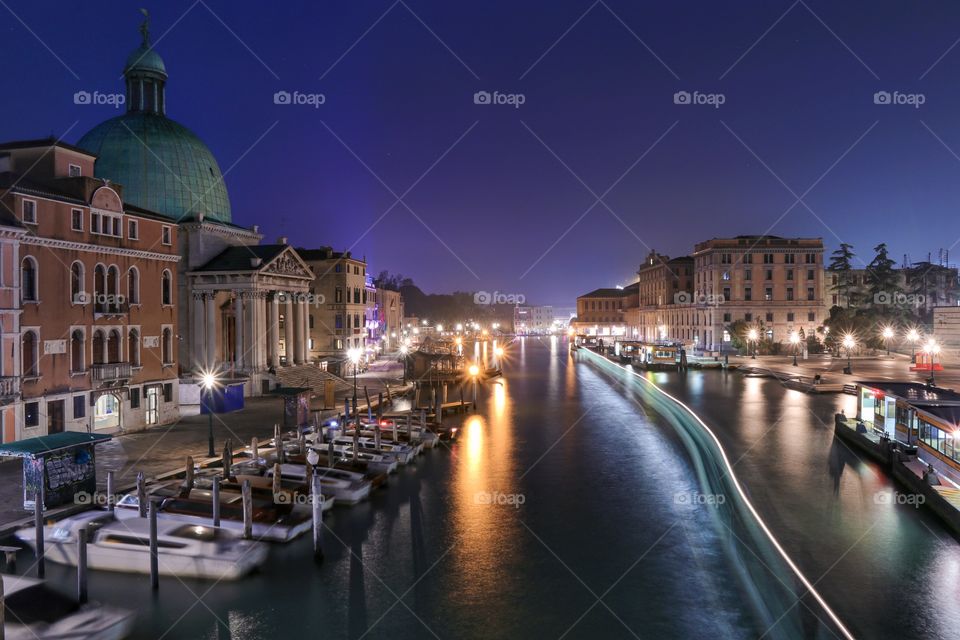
(111, 372)
(9, 387)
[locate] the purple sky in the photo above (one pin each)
(498, 191)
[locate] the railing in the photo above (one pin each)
(9, 386)
(111, 371)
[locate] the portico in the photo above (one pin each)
(249, 312)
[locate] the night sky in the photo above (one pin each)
(495, 191)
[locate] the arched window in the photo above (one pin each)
(113, 346)
(133, 286)
(76, 350)
(166, 286)
(28, 279)
(30, 355)
(167, 345)
(133, 347)
(76, 283)
(98, 344)
(113, 287)
(99, 288)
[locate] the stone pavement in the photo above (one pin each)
(164, 448)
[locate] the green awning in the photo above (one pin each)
(33, 447)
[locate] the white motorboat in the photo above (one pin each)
(375, 462)
(402, 453)
(414, 435)
(349, 487)
(123, 544)
(271, 522)
(34, 611)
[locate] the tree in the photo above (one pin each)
(841, 264)
(393, 282)
(883, 280)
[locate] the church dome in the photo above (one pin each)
(162, 165)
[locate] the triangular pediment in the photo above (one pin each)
(288, 263)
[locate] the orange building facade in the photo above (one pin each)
(94, 284)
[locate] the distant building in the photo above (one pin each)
(768, 281)
(390, 318)
(532, 320)
(338, 317)
(666, 310)
(603, 312)
(920, 288)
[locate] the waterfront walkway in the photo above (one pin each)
(164, 448)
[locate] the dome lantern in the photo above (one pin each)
(146, 75)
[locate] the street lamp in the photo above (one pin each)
(403, 352)
(932, 348)
(208, 380)
(795, 341)
(887, 336)
(354, 356)
(474, 371)
(849, 343)
(912, 337)
(752, 336)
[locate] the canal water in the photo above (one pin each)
(578, 504)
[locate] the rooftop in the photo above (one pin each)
(914, 392)
(239, 258)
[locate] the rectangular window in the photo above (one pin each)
(747, 294)
(810, 294)
(338, 268)
(168, 392)
(338, 295)
(74, 170)
(116, 228)
(748, 317)
(748, 275)
(810, 274)
(768, 293)
(165, 236)
(811, 317)
(790, 274)
(31, 414)
(768, 258)
(134, 398)
(338, 321)
(790, 317)
(30, 211)
(789, 258)
(79, 407)
(768, 274)
(769, 317)
(726, 317)
(94, 223)
(133, 230)
(748, 258)
(76, 219)
(811, 258)
(789, 293)
(726, 294)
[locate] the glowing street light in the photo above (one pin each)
(208, 381)
(474, 371)
(752, 336)
(440, 328)
(354, 356)
(932, 348)
(795, 341)
(849, 342)
(887, 336)
(912, 336)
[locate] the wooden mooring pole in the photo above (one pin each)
(141, 494)
(316, 502)
(82, 565)
(247, 496)
(111, 491)
(216, 501)
(38, 523)
(154, 549)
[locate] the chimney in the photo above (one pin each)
(256, 262)
(282, 240)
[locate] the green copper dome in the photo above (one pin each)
(161, 164)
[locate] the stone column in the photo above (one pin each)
(273, 339)
(298, 329)
(197, 343)
(288, 329)
(238, 329)
(211, 312)
(251, 337)
(304, 331)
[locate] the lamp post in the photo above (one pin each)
(474, 371)
(354, 356)
(849, 343)
(887, 336)
(795, 341)
(403, 352)
(752, 336)
(912, 337)
(932, 348)
(208, 380)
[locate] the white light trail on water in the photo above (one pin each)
(736, 483)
